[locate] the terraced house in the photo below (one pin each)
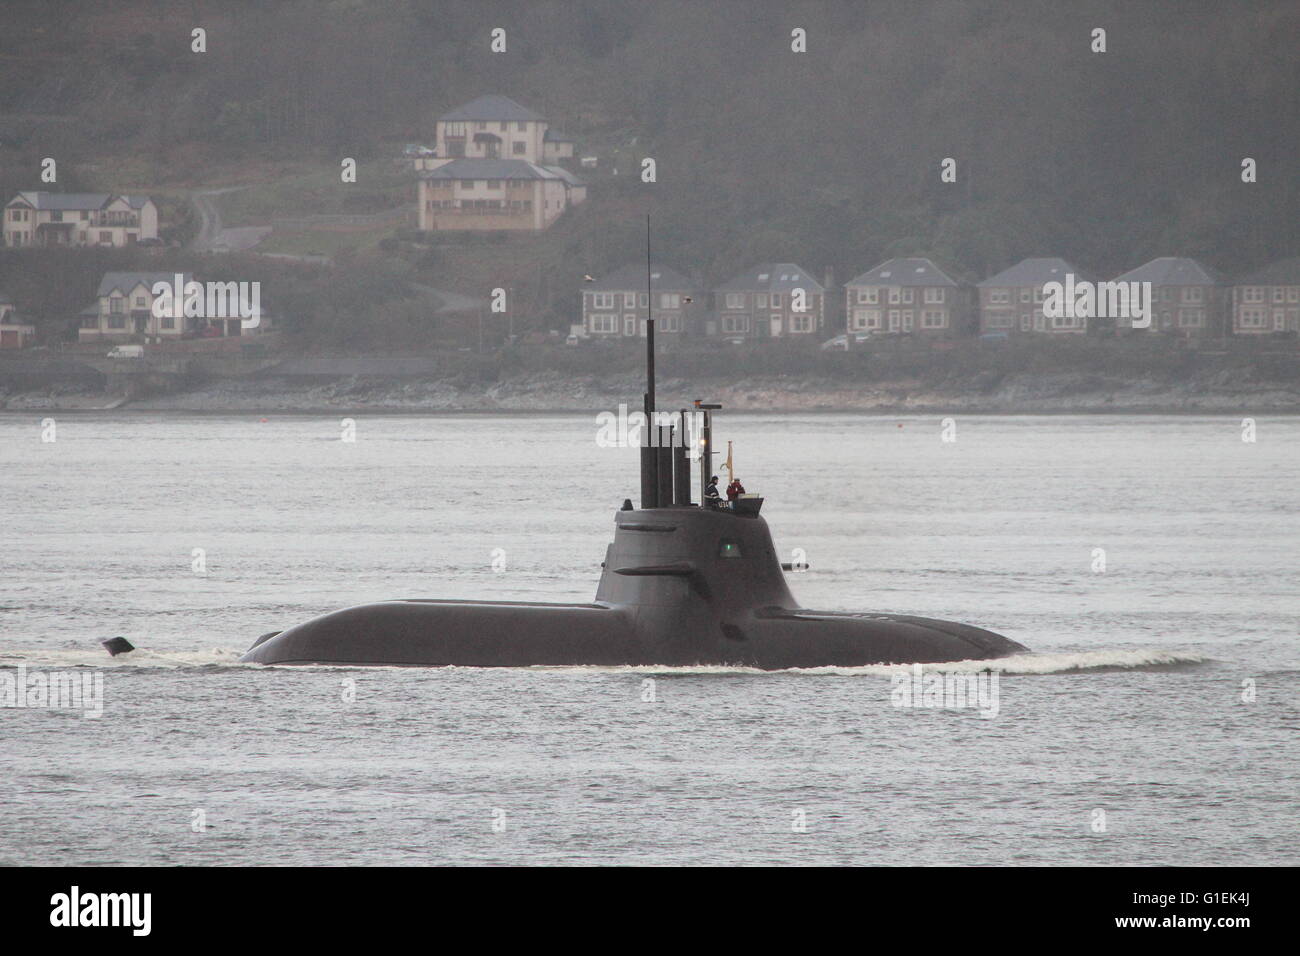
(497, 167)
(615, 306)
(772, 300)
(79, 219)
(1268, 301)
(1011, 302)
(1186, 298)
(904, 296)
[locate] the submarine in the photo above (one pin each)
(683, 583)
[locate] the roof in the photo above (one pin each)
(124, 282)
(135, 202)
(1282, 272)
(632, 277)
(44, 200)
(1170, 270)
(491, 107)
(490, 169)
(913, 271)
(772, 277)
(567, 176)
(1034, 272)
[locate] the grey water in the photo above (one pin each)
(1149, 563)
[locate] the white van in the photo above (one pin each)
(127, 352)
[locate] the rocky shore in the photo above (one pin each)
(1025, 393)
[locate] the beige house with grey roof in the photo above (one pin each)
(39, 218)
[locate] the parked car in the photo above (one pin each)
(841, 343)
(126, 352)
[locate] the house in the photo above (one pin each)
(1185, 297)
(14, 333)
(1268, 300)
(1012, 301)
(904, 296)
(124, 308)
(491, 194)
(79, 219)
(771, 300)
(614, 306)
(556, 147)
(495, 169)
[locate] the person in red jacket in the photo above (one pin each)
(735, 489)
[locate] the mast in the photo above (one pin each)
(649, 457)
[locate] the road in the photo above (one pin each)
(212, 236)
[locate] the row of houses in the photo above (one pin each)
(913, 296)
(37, 218)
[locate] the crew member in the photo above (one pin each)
(734, 490)
(711, 497)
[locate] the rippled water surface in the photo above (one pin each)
(1155, 722)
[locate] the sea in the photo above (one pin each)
(1149, 563)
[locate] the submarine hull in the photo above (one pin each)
(680, 586)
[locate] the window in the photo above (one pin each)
(644, 300)
(735, 323)
(1253, 318)
(494, 184)
(893, 296)
(140, 302)
(670, 323)
(873, 295)
(893, 320)
(907, 296)
(1279, 320)
(801, 323)
(862, 297)
(670, 300)
(1024, 322)
(602, 300)
(1252, 294)
(735, 300)
(56, 215)
(1193, 293)
(1191, 318)
(933, 296)
(998, 296)
(629, 300)
(1000, 322)
(907, 320)
(117, 321)
(1024, 295)
(776, 300)
(90, 322)
(934, 319)
(1064, 321)
(168, 322)
(1038, 294)
(519, 147)
(1293, 294)
(1279, 294)
(606, 324)
(760, 300)
(521, 125)
(106, 237)
(116, 304)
